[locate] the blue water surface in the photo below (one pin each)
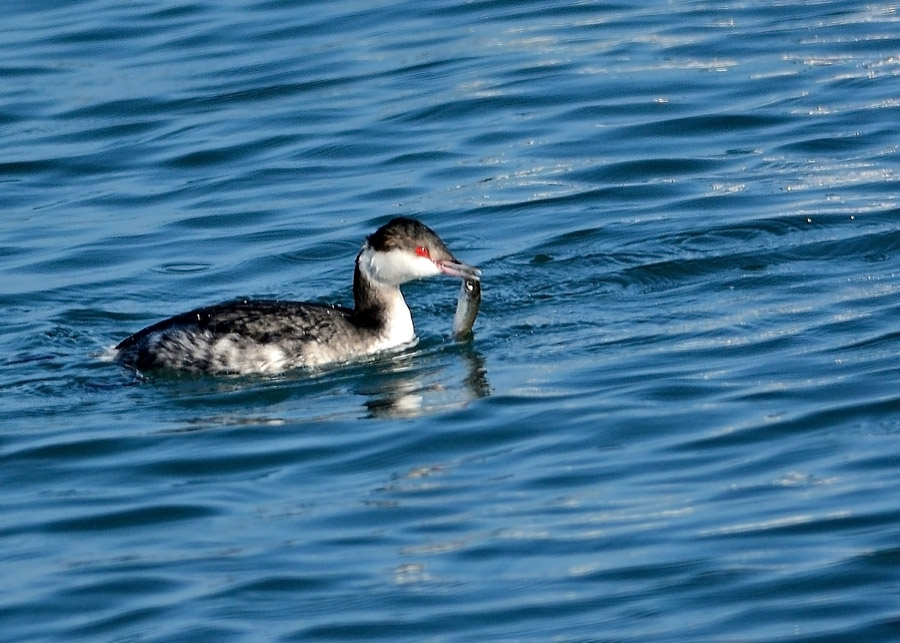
(678, 418)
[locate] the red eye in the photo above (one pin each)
(422, 251)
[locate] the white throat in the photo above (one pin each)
(399, 329)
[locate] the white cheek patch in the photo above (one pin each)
(395, 267)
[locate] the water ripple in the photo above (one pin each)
(676, 419)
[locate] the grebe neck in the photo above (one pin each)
(379, 306)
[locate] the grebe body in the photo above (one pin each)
(268, 336)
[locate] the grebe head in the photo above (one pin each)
(405, 249)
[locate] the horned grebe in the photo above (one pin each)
(267, 336)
